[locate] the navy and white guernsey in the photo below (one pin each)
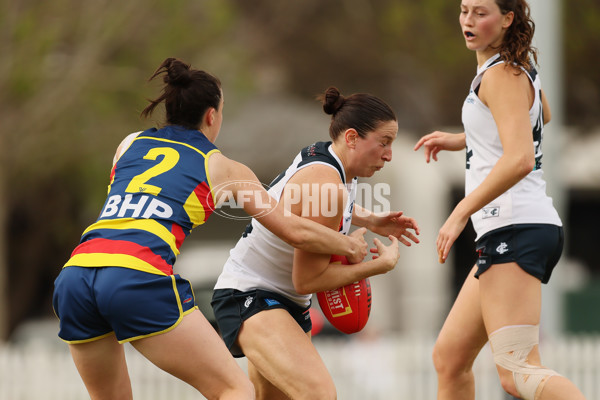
(260, 259)
(524, 203)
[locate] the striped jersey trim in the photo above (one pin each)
(118, 253)
(146, 225)
(173, 141)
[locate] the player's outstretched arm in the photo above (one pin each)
(296, 231)
(437, 141)
(387, 223)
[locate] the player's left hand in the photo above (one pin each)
(358, 237)
(448, 234)
(395, 224)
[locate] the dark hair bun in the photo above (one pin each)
(178, 73)
(332, 101)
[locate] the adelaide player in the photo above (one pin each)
(119, 285)
(262, 298)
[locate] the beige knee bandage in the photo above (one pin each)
(511, 346)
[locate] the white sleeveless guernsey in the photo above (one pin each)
(524, 203)
(260, 259)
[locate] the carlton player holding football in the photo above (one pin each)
(262, 298)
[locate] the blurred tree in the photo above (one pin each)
(410, 53)
(582, 52)
(72, 74)
(52, 56)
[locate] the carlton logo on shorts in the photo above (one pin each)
(502, 248)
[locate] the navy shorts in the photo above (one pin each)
(536, 248)
(232, 307)
(91, 303)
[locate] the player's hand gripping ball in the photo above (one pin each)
(348, 307)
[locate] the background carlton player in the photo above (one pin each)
(519, 233)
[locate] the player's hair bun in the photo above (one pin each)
(178, 73)
(332, 101)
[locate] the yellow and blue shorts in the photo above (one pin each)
(92, 303)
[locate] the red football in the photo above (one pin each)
(348, 307)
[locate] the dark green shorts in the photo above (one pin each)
(536, 248)
(232, 307)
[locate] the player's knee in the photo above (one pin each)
(324, 390)
(320, 386)
(448, 361)
(438, 358)
(244, 390)
(511, 347)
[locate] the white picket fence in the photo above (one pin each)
(363, 368)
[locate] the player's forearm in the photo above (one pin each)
(361, 216)
(337, 275)
(507, 172)
(315, 238)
